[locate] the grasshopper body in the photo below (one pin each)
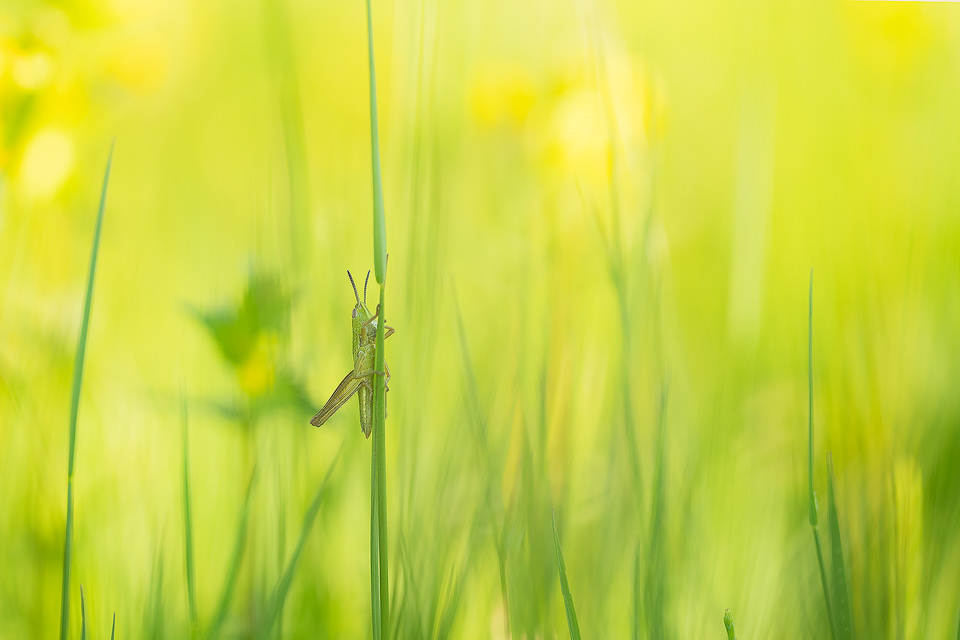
(358, 380)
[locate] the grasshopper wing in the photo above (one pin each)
(344, 391)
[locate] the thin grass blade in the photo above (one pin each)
(812, 496)
(75, 404)
(657, 569)
(83, 616)
(375, 610)
(187, 522)
(635, 619)
(236, 559)
(572, 624)
(841, 597)
(379, 218)
(113, 626)
(379, 577)
(279, 597)
(380, 488)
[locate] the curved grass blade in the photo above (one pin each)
(275, 607)
(236, 559)
(572, 624)
(75, 405)
(841, 597)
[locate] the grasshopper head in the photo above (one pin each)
(361, 313)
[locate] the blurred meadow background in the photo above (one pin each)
(601, 220)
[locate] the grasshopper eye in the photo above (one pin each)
(354, 314)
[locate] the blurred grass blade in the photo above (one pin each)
(728, 624)
(277, 601)
(236, 559)
(155, 616)
(83, 616)
(812, 496)
(113, 626)
(657, 574)
(841, 597)
(279, 41)
(451, 606)
(75, 405)
(379, 219)
(478, 425)
(637, 593)
(572, 625)
(187, 522)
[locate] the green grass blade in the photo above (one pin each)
(637, 594)
(155, 618)
(841, 597)
(572, 624)
(83, 616)
(657, 570)
(236, 559)
(279, 597)
(728, 624)
(379, 219)
(812, 502)
(812, 496)
(375, 611)
(187, 522)
(113, 626)
(280, 54)
(75, 405)
(379, 460)
(823, 581)
(379, 576)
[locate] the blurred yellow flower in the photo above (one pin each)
(257, 374)
(32, 71)
(573, 129)
(139, 64)
(47, 163)
(501, 94)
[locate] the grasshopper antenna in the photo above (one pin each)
(365, 287)
(355, 294)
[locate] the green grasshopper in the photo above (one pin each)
(360, 378)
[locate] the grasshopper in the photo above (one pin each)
(360, 378)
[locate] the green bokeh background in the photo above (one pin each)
(723, 149)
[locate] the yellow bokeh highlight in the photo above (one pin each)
(47, 163)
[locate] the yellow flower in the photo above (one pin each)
(501, 95)
(257, 374)
(46, 164)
